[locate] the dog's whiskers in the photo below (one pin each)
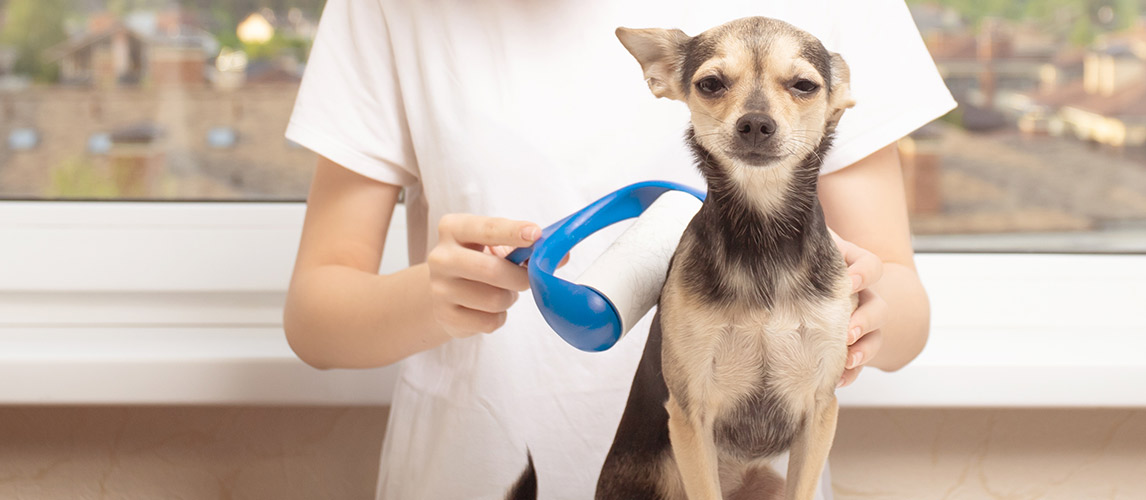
(718, 120)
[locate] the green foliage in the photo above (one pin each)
(954, 117)
(121, 7)
(1082, 32)
(278, 45)
(76, 177)
(32, 26)
(223, 22)
(1075, 20)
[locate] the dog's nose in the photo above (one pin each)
(754, 128)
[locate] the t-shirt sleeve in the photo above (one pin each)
(349, 106)
(893, 78)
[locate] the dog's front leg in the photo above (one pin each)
(695, 452)
(810, 449)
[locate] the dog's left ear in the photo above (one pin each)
(841, 93)
(661, 54)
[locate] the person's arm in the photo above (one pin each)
(341, 314)
(865, 205)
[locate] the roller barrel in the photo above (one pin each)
(632, 271)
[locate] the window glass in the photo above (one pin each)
(152, 99)
(23, 139)
(1047, 149)
(155, 99)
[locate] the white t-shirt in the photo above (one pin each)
(531, 110)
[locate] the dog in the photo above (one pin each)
(749, 339)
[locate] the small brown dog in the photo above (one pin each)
(750, 336)
(749, 339)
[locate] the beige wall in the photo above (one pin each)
(317, 453)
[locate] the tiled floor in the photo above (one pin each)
(990, 454)
(317, 453)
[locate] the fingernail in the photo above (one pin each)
(530, 233)
(853, 335)
(854, 360)
(856, 280)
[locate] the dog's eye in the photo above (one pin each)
(805, 86)
(710, 86)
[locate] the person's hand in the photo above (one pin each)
(471, 283)
(864, 338)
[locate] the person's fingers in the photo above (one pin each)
(478, 296)
(475, 231)
(859, 353)
(864, 267)
(447, 262)
(502, 251)
(849, 376)
(464, 322)
(864, 349)
(871, 315)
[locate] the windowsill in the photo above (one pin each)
(178, 304)
(173, 366)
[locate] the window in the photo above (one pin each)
(222, 137)
(152, 100)
(1047, 150)
(99, 143)
(23, 139)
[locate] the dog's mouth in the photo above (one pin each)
(756, 158)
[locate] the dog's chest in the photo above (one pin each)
(754, 372)
(730, 351)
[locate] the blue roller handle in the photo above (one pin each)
(579, 314)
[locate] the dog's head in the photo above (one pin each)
(762, 92)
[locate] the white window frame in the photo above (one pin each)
(180, 303)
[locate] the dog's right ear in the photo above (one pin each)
(841, 91)
(661, 54)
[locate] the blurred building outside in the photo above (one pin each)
(1048, 146)
(149, 106)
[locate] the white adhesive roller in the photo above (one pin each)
(632, 271)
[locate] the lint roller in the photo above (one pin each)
(599, 307)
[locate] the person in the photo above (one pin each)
(498, 116)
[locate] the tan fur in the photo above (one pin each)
(655, 49)
(758, 482)
(695, 453)
(810, 451)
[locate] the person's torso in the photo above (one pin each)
(528, 110)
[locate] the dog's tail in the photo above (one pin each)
(526, 486)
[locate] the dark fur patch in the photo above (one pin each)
(759, 426)
(757, 101)
(792, 241)
(699, 49)
(526, 486)
(815, 53)
(642, 439)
